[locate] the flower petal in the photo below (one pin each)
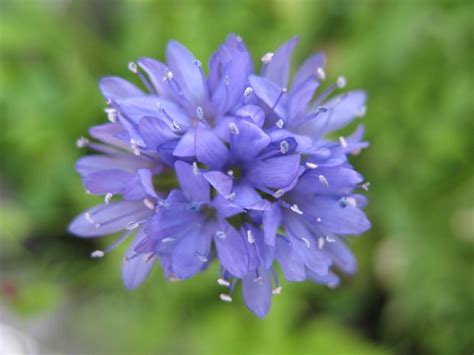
(194, 186)
(309, 69)
(135, 268)
(257, 290)
(274, 173)
(271, 220)
(117, 89)
(156, 71)
(249, 141)
(220, 181)
(292, 266)
(210, 150)
(269, 93)
(278, 69)
(232, 252)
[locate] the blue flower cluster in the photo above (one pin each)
(232, 166)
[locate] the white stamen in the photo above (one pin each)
(351, 201)
(365, 186)
(248, 91)
(97, 254)
(330, 239)
(97, 225)
(258, 280)
(200, 113)
(108, 197)
(276, 290)
(196, 170)
(279, 193)
(168, 76)
(176, 126)
(250, 237)
(230, 196)
(132, 225)
(223, 282)
(341, 82)
(320, 243)
(284, 147)
(226, 80)
(306, 242)
(296, 209)
(149, 204)
(343, 142)
(267, 58)
(230, 173)
(167, 240)
(320, 74)
(311, 165)
(198, 63)
(82, 142)
(111, 114)
(225, 297)
(318, 219)
(362, 111)
(132, 66)
(233, 128)
(134, 147)
(89, 219)
(220, 234)
(323, 180)
(202, 258)
(280, 123)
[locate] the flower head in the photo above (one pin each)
(235, 166)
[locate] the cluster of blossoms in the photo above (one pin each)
(234, 166)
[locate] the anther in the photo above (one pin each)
(225, 297)
(132, 66)
(196, 170)
(258, 280)
(226, 80)
(341, 82)
(295, 208)
(250, 237)
(111, 114)
(248, 91)
(230, 196)
(201, 257)
(323, 181)
(320, 243)
(311, 165)
(365, 186)
(108, 197)
(320, 74)
(362, 111)
(88, 217)
(168, 76)
(220, 234)
(306, 242)
(132, 225)
(280, 123)
(149, 204)
(176, 126)
(200, 113)
(223, 282)
(97, 254)
(276, 290)
(279, 193)
(318, 219)
(267, 58)
(284, 147)
(233, 128)
(82, 142)
(343, 142)
(167, 240)
(198, 63)
(330, 239)
(230, 173)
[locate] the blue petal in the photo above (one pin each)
(210, 150)
(108, 181)
(186, 145)
(269, 93)
(94, 163)
(292, 266)
(135, 268)
(117, 89)
(187, 73)
(342, 256)
(155, 132)
(253, 112)
(278, 69)
(271, 221)
(108, 218)
(309, 68)
(330, 279)
(300, 97)
(274, 173)
(111, 134)
(249, 141)
(194, 186)
(258, 295)
(156, 71)
(232, 252)
(245, 195)
(220, 181)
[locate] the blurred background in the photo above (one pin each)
(414, 291)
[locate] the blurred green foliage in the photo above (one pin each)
(414, 291)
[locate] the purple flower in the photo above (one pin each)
(236, 167)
